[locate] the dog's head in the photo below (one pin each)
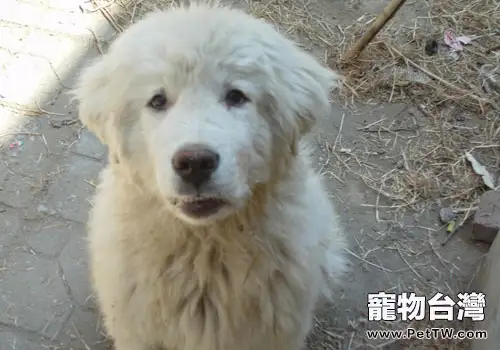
(201, 103)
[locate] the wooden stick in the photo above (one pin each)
(382, 19)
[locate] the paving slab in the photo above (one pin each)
(31, 161)
(74, 266)
(48, 235)
(89, 146)
(70, 194)
(10, 226)
(12, 340)
(84, 331)
(32, 294)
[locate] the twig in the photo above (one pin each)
(368, 262)
(458, 227)
(91, 183)
(80, 337)
(494, 48)
(377, 204)
(99, 8)
(371, 124)
(338, 134)
(109, 17)
(47, 112)
(411, 267)
(45, 143)
(97, 42)
(382, 19)
(388, 130)
(21, 133)
(20, 108)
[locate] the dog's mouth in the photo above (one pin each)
(201, 207)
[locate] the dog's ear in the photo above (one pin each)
(92, 94)
(312, 94)
(98, 96)
(310, 91)
(305, 89)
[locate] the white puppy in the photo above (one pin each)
(210, 230)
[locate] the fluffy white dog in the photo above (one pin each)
(210, 230)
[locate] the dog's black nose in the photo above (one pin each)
(195, 164)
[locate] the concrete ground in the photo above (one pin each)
(49, 164)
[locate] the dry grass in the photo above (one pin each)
(456, 97)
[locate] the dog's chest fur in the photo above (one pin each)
(201, 287)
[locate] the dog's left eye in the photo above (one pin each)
(158, 101)
(235, 98)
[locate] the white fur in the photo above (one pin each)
(249, 276)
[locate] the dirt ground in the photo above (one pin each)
(46, 182)
(393, 251)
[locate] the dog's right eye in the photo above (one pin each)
(158, 102)
(235, 98)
